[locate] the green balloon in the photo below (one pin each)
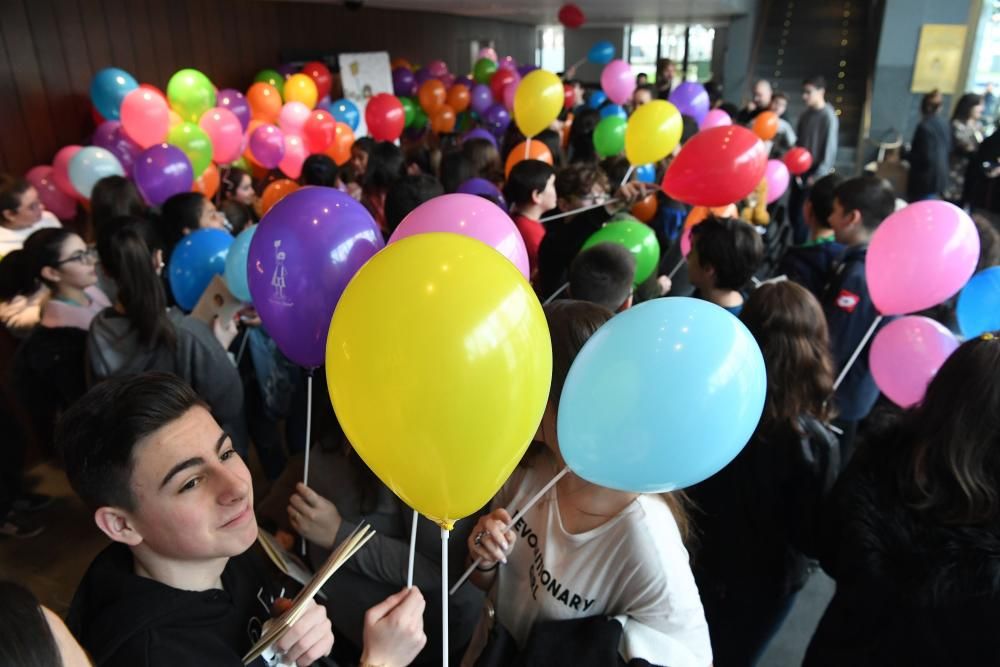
(195, 143)
(190, 94)
(638, 238)
(408, 109)
(419, 118)
(272, 77)
(609, 136)
(241, 163)
(483, 70)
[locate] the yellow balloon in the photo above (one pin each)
(653, 131)
(301, 88)
(537, 101)
(438, 362)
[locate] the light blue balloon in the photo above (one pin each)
(601, 53)
(978, 309)
(645, 173)
(345, 111)
(597, 98)
(199, 256)
(89, 165)
(107, 90)
(236, 265)
(614, 110)
(663, 396)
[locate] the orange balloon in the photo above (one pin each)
(275, 192)
(400, 62)
(208, 183)
(432, 96)
(765, 125)
(459, 98)
(443, 120)
(265, 102)
(699, 213)
(340, 149)
(535, 150)
(645, 208)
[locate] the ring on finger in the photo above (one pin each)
(479, 538)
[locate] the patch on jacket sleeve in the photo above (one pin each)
(847, 301)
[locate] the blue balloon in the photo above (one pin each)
(346, 112)
(645, 173)
(199, 256)
(614, 110)
(978, 309)
(601, 53)
(107, 90)
(597, 98)
(236, 265)
(663, 396)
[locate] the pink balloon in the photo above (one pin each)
(906, 355)
(225, 131)
(920, 256)
(292, 117)
(267, 143)
(437, 68)
(145, 117)
(53, 199)
(468, 215)
(508, 94)
(777, 177)
(617, 81)
(60, 169)
(295, 155)
(488, 52)
(686, 242)
(715, 118)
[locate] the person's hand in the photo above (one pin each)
(225, 332)
(633, 191)
(313, 516)
(310, 639)
(394, 630)
(249, 316)
(665, 284)
(489, 541)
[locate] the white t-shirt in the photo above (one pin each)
(633, 566)
(13, 239)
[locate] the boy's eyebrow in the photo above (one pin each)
(194, 461)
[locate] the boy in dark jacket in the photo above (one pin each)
(810, 263)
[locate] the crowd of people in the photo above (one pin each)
(158, 411)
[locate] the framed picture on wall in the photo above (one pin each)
(939, 58)
(363, 75)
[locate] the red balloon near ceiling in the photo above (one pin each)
(571, 16)
(716, 167)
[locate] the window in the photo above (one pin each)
(700, 40)
(550, 54)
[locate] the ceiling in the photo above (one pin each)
(598, 12)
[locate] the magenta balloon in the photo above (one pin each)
(617, 81)
(508, 94)
(304, 252)
(292, 117)
(111, 137)
(906, 355)
(53, 199)
(60, 169)
(235, 101)
(267, 144)
(162, 171)
(715, 118)
(920, 256)
(225, 131)
(437, 68)
(468, 215)
(295, 154)
(777, 178)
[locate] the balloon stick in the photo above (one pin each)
(517, 515)
(628, 174)
(309, 410)
(555, 294)
(582, 209)
(857, 352)
(527, 148)
(413, 550)
(444, 596)
(677, 267)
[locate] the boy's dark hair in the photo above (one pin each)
(817, 81)
(730, 246)
(578, 179)
(97, 436)
(238, 215)
(386, 165)
(615, 167)
(319, 169)
(778, 95)
(526, 178)
(821, 197)
(989, 240)
(406, 194)
(602, 274)
(869, 195)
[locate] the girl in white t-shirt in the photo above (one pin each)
(585, 550)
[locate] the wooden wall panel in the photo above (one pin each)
(50, 50)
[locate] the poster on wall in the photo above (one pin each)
(363, 75)
(939, 58)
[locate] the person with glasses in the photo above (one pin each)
(63, 263)
(21, 214)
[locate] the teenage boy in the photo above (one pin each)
(817, 132)
(179, 584)
(810, 264)
(531, 191)
(604, 275)
(725, 252)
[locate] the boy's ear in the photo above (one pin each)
(536, 197)
(853, 218)
(117, 525)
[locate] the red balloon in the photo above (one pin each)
(385, 117)
(321, 76)
(499, 81)
(568, 96)
(716, 167)
(319, 131)
(798, 160)
(571, 16)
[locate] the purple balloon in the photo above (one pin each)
(497, 118)
(448, 79)
(480, 133)
(304, 252)
(691, 99)
(267, 143)
(162, 171)
(110, 136)
(287, 69)
(437, 68)
(404, 84)
(522, 70)
(423, 75)
(234, 100)
(465, 81)
(480, 186)
(481, 98)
